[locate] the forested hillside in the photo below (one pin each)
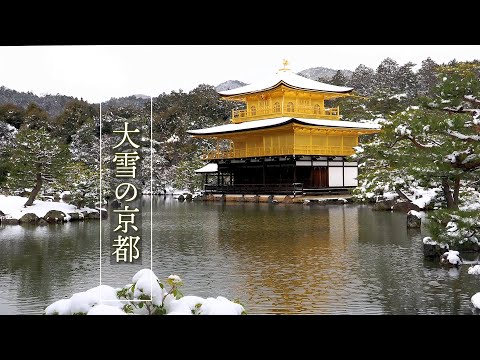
(74, 124)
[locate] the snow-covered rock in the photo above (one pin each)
(12, 207)
(474, 270)
(476, 300)
(103, 309)
(451, 257)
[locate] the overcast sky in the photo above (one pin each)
(98, 73)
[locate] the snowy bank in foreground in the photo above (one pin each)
(476, 300)
(145, 296)
(12, 207)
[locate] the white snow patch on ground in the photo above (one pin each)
(12, 207)
(390, 195)
(424, 197)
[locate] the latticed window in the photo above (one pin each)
(290, 107)
(253, 110)
(276, 107)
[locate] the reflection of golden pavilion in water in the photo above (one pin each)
(288, 270)
(284, 139)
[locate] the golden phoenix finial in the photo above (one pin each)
(285, 64)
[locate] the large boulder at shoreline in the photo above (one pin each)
(404, 206)
(414, 220)
(92, 215)
(29, 219)
(76, 216)
(383, 205)
(432, 249)
(55, 216)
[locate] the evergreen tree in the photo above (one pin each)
(362, 80)
(7, 137)
(433, 146)
(339, 79)
(76, 114)
(407, 80)
(38, 158)
(36, 118)
(427, 77)
(12, 114)
(386, 77)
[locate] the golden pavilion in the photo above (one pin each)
(284, 141)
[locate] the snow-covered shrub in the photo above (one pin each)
(146, 295)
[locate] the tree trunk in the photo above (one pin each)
(456, 190)
(448, 195)
(35, 191)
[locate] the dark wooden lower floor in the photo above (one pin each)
(284, 175)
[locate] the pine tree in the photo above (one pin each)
(36, 118)
(363, 80)
(407, 80)
(386, 77)
(7, 137)
(76, 114)
(38, 159)
(433, 146)
(427, 77)
(12, 114)
(339, 79)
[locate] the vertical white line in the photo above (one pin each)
(151, 191)
(151, 183)
(100, 256)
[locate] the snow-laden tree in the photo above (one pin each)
(386, 77)
(339, 79)
(407, 80)
(12, 114)
(363, 80)
(427, 77)
(433, 146)
(7, 138)
(37, 159)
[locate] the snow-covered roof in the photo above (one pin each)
(289, 79)
(260, 124)
(209, 168)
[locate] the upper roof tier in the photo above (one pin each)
(288, 79)
(277, 122)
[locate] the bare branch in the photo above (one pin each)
(413, 140)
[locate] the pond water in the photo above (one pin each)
(276, 259)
